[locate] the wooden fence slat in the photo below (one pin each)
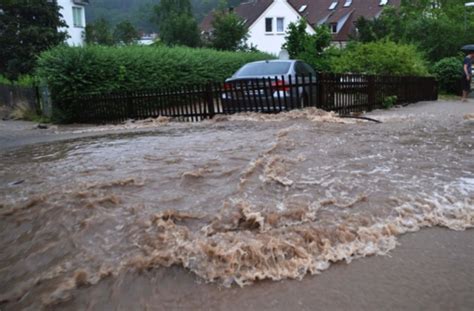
(344, 93)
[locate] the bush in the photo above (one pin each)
(389, 101)
(23, 80)
(72, 71)
(382, 58)
(448, 71)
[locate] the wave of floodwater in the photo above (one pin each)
(234, 200)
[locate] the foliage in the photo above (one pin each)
(314, 49)
(382, 57)
(317, 50)
(176, 23)
(297, 38)
(99, 32)
(438, 31)
(448, 71)
(125, 33)
(23, 80)
(27, 27)
(230, 32)
(140, 12)
(70, 71)
(389, 101)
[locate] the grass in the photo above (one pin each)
(24, 112)
(448, 97)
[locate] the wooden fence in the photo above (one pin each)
(342, 93)
(13, 96)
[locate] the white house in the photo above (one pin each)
(268, 31)
(73, 12)
(268, 20)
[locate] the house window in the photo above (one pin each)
(77, 16)
(302, 8)
(383, 2)
(333, 27)
(347, 3)
(269, 24)
(333, 5)
(280, 24)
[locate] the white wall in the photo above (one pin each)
(75, 33)
(272, 42)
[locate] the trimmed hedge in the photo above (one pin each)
(69, 71)
(448, 71)
(381, 58)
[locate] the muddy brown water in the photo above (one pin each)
(235, 202)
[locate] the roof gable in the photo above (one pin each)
(249, 11)
(315, 11)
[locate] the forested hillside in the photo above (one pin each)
(140, 12)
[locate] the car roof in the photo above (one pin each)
(274, 61)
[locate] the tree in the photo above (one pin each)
(313, 49)
(296, 38)
(125, 33)
(230, 32)
(27, 27)
(99, 32)
(438, 28)
(176, 23)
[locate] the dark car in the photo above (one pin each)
(270, 86)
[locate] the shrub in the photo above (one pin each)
(382, 57)
(71, 71)
(448, 71)
(23, 80)
(389, 101)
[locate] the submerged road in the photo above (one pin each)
(341, 214)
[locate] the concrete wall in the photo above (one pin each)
(272, 42)
(75, 33)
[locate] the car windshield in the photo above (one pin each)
(264, 69)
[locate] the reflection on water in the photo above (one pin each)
(233, 202)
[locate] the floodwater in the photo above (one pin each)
(234, 202)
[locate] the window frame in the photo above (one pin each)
(77, 18)
(283, 25)
(266, 25)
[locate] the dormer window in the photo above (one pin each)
(347, 3)
(383, 2)
(333, 5)
(333, 27)
(302, 8)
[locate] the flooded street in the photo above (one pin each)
(206, 216)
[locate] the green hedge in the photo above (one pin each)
(381, 58)
(448, 71)
(70, 71)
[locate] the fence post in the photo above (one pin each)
(371, 92)
(319, 90)
(130, 111)
(210, 100)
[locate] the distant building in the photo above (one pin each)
(148, 39)
(73, 12)
(268, 20)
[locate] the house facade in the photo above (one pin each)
(268, 20)
(73, 12)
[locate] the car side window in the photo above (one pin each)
(309, 69)
(300, 69)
